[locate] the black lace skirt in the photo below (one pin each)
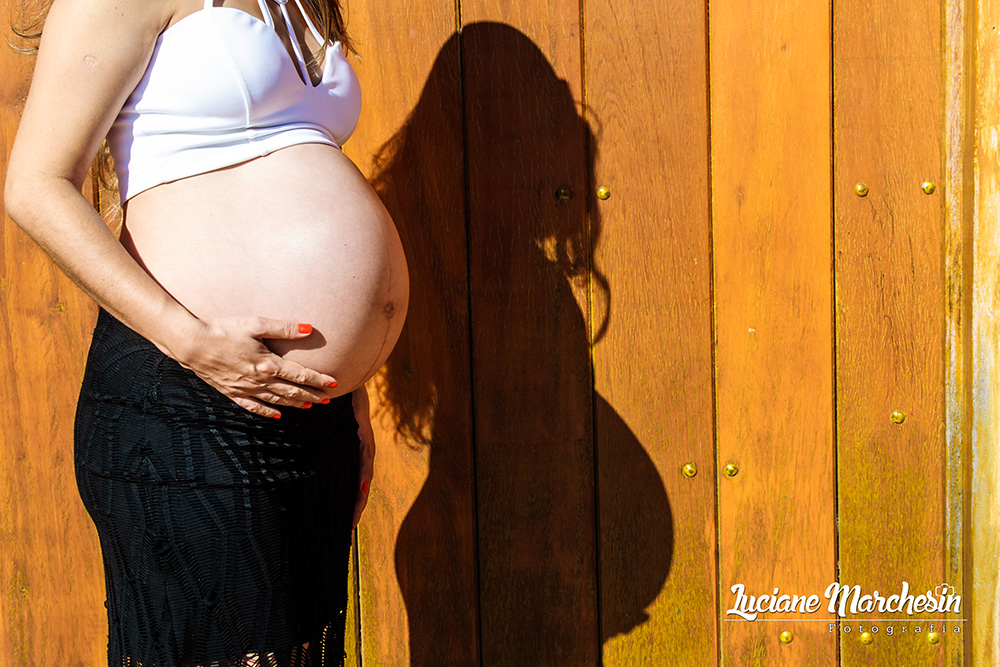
(225, 535)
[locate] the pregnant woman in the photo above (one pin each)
(223, 444)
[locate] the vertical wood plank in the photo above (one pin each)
(890, 321)
(51, 579)
(646, 94)
(771, 212)
(528, 252)
(417, 550)
(958, 66)
(982, 600)
(352, 625)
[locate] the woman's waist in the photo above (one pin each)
(143, 417)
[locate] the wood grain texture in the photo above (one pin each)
(958, 66)
(647, 102)
(890, 322)
(531, 365)
(352, 624)
(51, 579)
(982, 600)
(567, 333)
(771, 219)
(419, 598)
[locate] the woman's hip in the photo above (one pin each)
(142, 417)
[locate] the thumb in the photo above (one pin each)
(265, 327)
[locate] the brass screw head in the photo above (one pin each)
(603, 192)
(730, 470)
(928, 187)
(867, 638)
(933, 637)
(785, 637)
(861, 189)
(689, 470)
(898, 416)
(563, 193)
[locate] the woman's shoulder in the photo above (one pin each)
(114, 18)
(91, 55)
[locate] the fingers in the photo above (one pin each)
(300, 375)
(256, 407)
(265, 327)
(265, 398)
(366, 474)
(232, 357)
(280, 392)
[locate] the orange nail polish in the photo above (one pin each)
(305, 328)
(325, 401)
(277, 416)
(333, 384)
(307, 405)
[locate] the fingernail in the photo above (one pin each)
(364, 486)
(325, 401)
(305, 328)
(333, 384)
(307, 405)
(277, 415)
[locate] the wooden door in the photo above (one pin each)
(703, 296)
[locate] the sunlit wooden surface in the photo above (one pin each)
(728, 299)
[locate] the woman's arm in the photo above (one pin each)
(92, 55)
(362, 413)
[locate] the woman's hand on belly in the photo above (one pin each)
(228, 354)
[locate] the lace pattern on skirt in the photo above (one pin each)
(225, 535)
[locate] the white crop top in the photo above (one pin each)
(221, 89)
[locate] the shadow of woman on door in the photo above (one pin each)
(508, 544)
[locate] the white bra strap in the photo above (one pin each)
(266, 13)
(294, 40)
(309, 23)
(209, 4)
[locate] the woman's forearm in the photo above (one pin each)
(53, 212)
(359, 401)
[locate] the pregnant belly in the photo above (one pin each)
(296, 235)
